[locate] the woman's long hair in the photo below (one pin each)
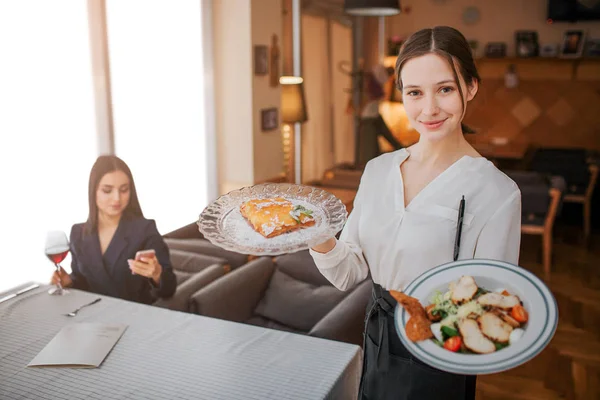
(103, 166)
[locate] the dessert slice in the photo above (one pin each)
(273, 217)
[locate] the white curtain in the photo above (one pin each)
(327, 135)
(49, 142)
(47, 130)
(156, 61)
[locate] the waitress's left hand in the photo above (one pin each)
(148, 267)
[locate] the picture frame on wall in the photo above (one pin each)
(495, 50)
(592, 48)
(261, 60)
(526, 44)
(572, 44)
(269, 119)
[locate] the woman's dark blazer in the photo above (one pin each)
(109, 274)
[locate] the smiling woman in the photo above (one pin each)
(419, 207)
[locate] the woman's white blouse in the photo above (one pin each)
(397, 244)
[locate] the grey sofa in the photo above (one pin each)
(286, 293)
(189, 239)
(196, 263)
(193, 272)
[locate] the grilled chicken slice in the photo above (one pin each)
(494, 327)
(451, 286)
(506, 318)
(464, 290)
(498, 300)
(473, 339)
(510, 320)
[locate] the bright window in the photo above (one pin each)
(47, 130)
(156, 62)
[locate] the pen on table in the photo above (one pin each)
(24, 290)
(461, 214)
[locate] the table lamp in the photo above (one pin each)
(293, 111)
(372, 8)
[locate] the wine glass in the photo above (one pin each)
(57, 248)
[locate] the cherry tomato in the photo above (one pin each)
(453, 343)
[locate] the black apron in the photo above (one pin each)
(391, 372)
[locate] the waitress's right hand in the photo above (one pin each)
(63, 277)
(325, 247)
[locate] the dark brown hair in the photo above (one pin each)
(447, 43)
(103, 166)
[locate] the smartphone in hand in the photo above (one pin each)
(145, 254)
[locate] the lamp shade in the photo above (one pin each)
(293, 106)
(372, 8)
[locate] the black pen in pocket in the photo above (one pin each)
(459, 223)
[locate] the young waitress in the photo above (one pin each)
(405, 214)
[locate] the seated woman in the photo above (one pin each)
(104, 248)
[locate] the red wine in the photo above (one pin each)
(57, 257)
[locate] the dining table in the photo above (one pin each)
(166, 354)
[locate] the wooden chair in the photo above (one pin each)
(579, 168)
(541, 200)
(586, 200)
(545, 230)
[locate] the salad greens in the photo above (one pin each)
(299, 210)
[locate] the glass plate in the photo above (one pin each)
(223, 224)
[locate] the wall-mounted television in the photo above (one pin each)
(573, 10)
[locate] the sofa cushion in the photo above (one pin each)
(204, 247)
(190, 231)
(301, 266)
(181, 276)
(185, 261)
(296, 304)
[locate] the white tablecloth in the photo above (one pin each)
(165, 354)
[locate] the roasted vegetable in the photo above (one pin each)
(519, 313)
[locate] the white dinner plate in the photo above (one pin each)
(491, 275)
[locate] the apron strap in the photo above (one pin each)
(382, 307)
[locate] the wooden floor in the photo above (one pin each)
(569, 368)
